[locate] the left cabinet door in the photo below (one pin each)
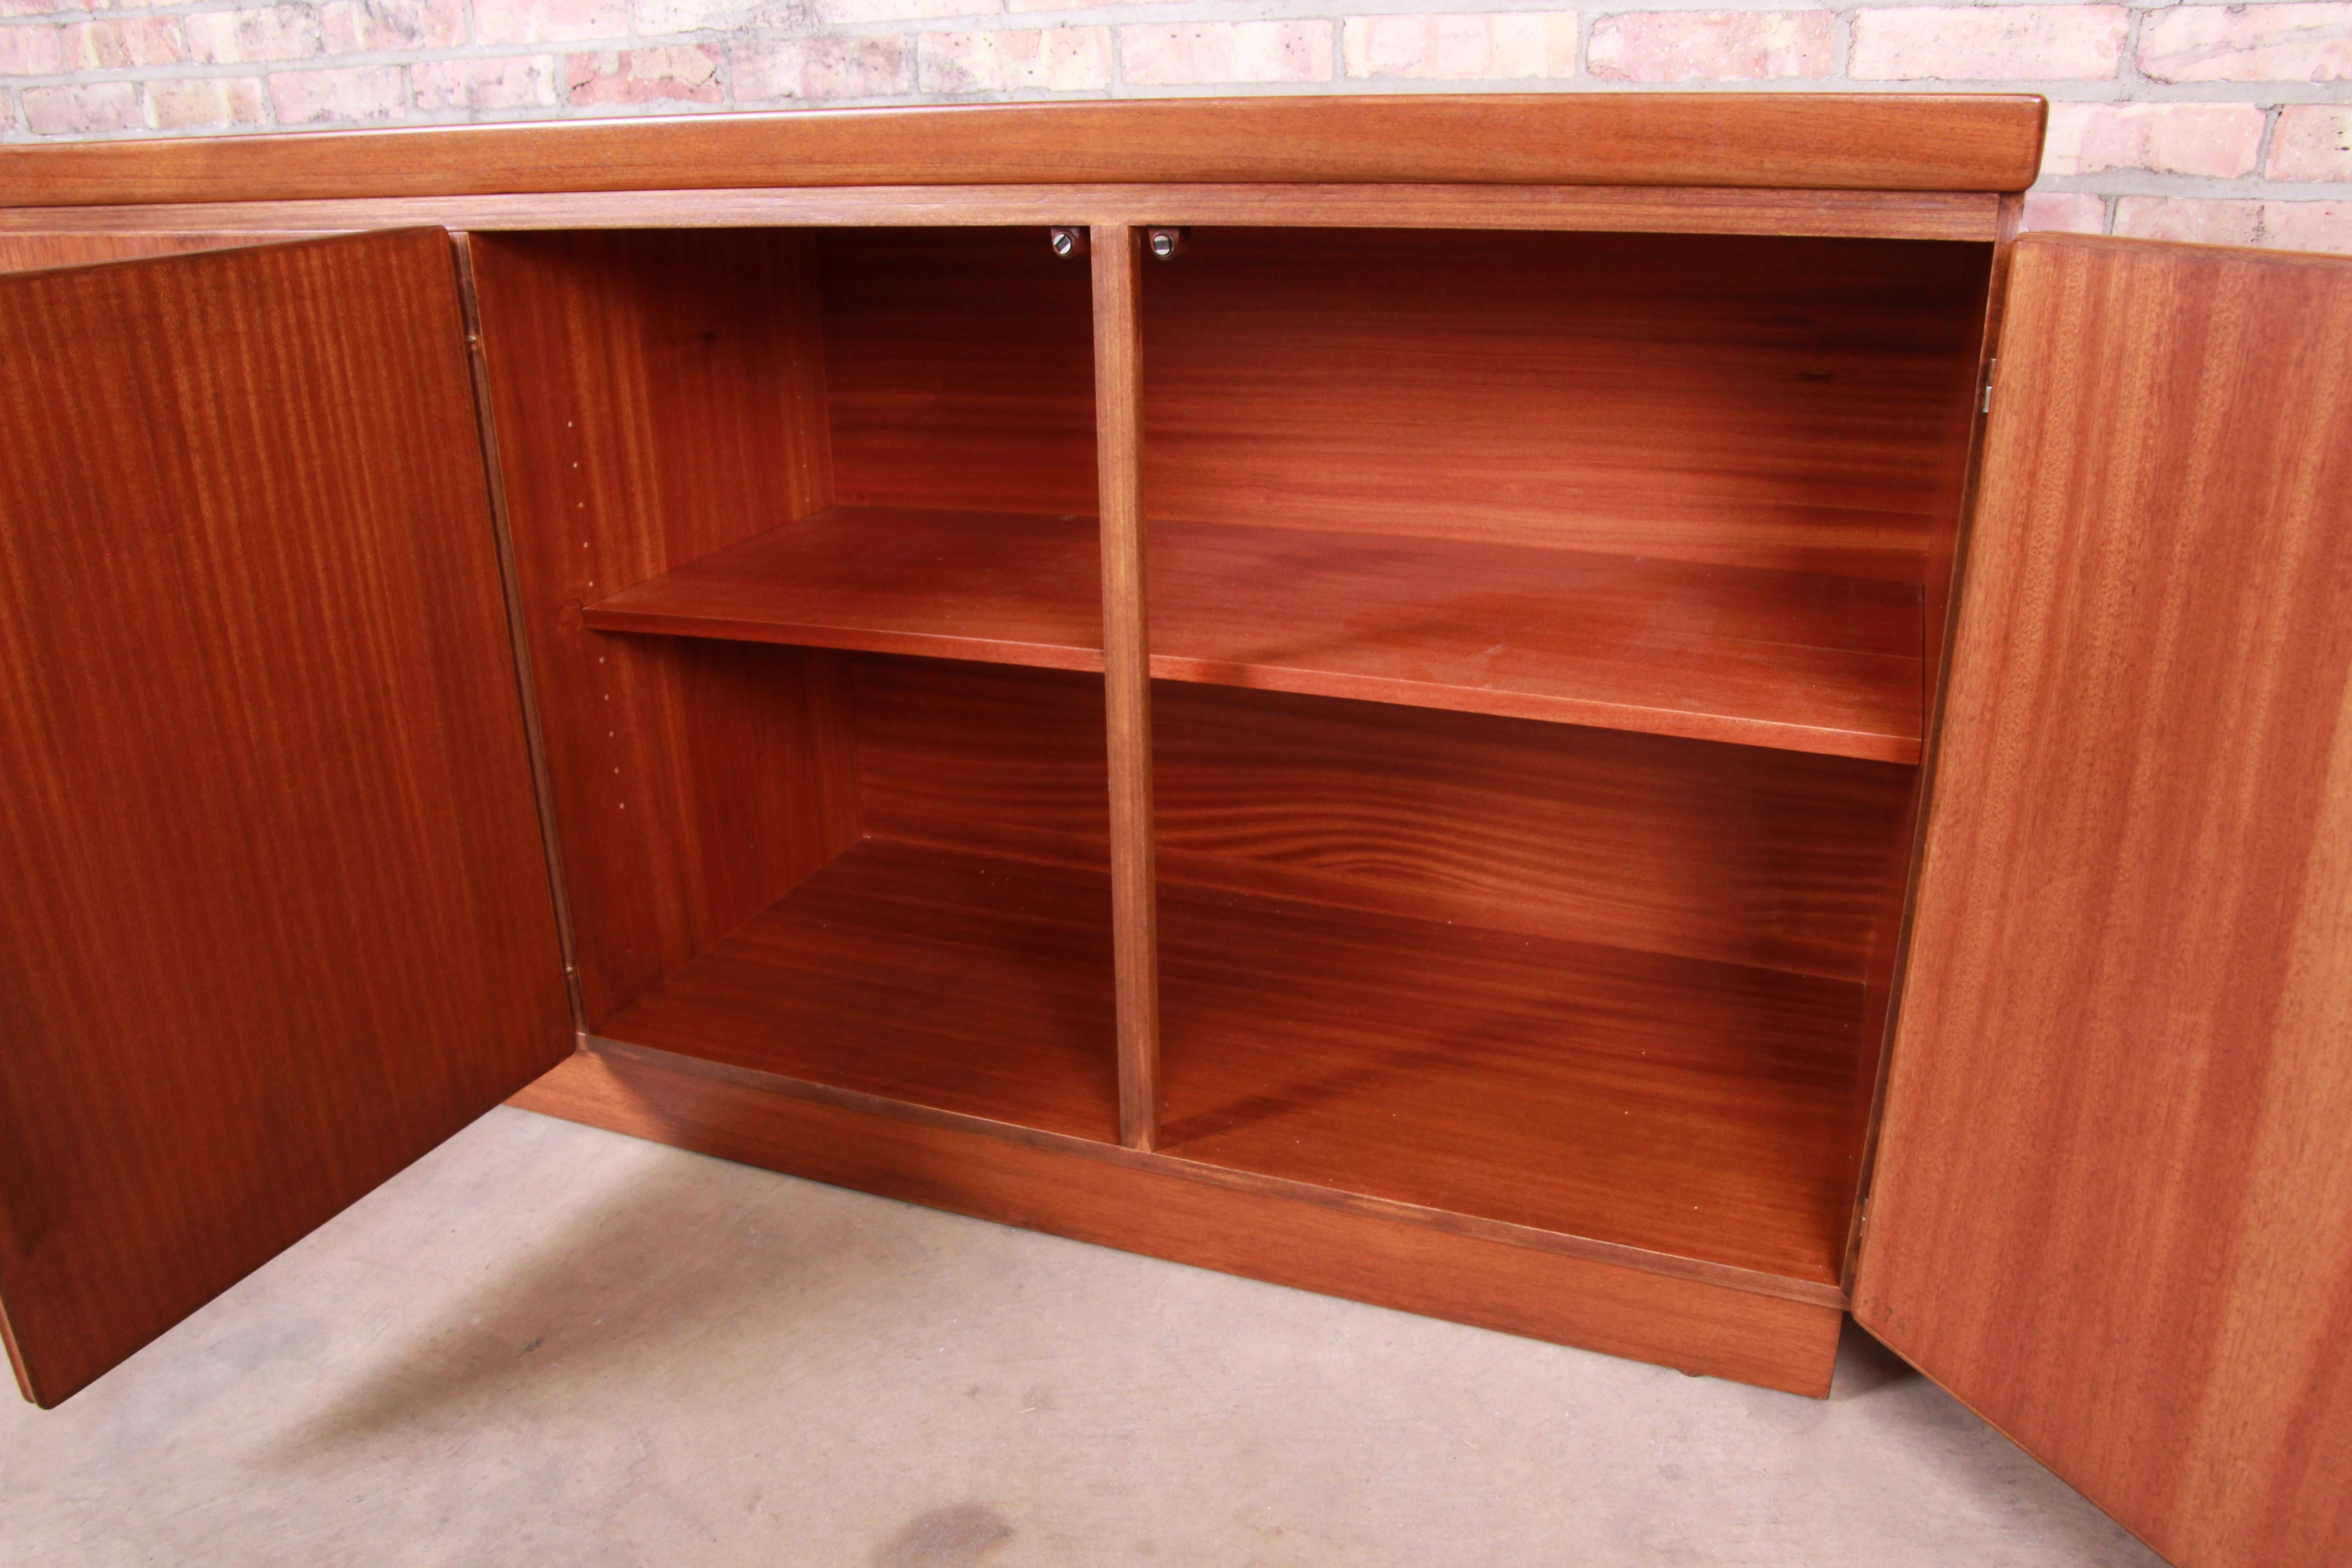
(277, 916)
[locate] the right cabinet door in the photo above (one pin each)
(2113, 1202)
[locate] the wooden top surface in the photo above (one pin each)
(1911, 141)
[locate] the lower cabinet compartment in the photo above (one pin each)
(1390, 1000)
(1592, 982)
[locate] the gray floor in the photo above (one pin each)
(547, 1345)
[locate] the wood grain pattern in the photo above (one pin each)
(1693, 1108)
(1699, 1326)
(2114, 1203)
(1838, 142)
(659, 397)
(959, 370)
(1788, 404)
(1734, 855)
(30, 252)
(1797, 660)
(1963, 460)
(1794, 660)
(984, 759)
(1946, 540)
(277, 921)
(957, 981)
(1117, 256)
(1878, 215)
(1000, 587)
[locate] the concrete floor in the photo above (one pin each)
(546, 1344)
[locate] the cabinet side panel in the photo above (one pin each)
(276, 922)
(658, 396)
(2113, 1209)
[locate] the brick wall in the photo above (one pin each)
(2179, 121)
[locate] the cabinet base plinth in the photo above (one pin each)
(1692, 1325)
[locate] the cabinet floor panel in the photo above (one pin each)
(937, 977)
(1798, 660)
(1703, 1110)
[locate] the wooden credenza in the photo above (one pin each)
(1620, 718)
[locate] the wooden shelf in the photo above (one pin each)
(1794, 660)
(1802, 661)
(998, 587)
(962, 981)
(1703, 1110)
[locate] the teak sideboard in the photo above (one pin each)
(1616, 717)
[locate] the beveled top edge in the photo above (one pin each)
(1895, 142)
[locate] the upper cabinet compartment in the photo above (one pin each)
(1680, 484)
(929, 488)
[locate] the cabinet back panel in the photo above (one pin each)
(989, 758)
(961, 367)
(1771, 402)
(1738, 853)
(659, 397)
(1735, 854)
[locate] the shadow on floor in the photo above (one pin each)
(672, 1266)
(1865, 1367)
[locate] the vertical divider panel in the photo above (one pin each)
(1118, 253)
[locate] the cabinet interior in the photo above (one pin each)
(1541, 626)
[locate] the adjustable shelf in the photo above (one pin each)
(1801, 661)
(997, 587)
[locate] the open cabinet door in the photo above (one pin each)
(277, 916)
(2113, 1205)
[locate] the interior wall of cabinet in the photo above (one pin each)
(1767, 401)
(960, 370)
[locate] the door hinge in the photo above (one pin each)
(1985, 406)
